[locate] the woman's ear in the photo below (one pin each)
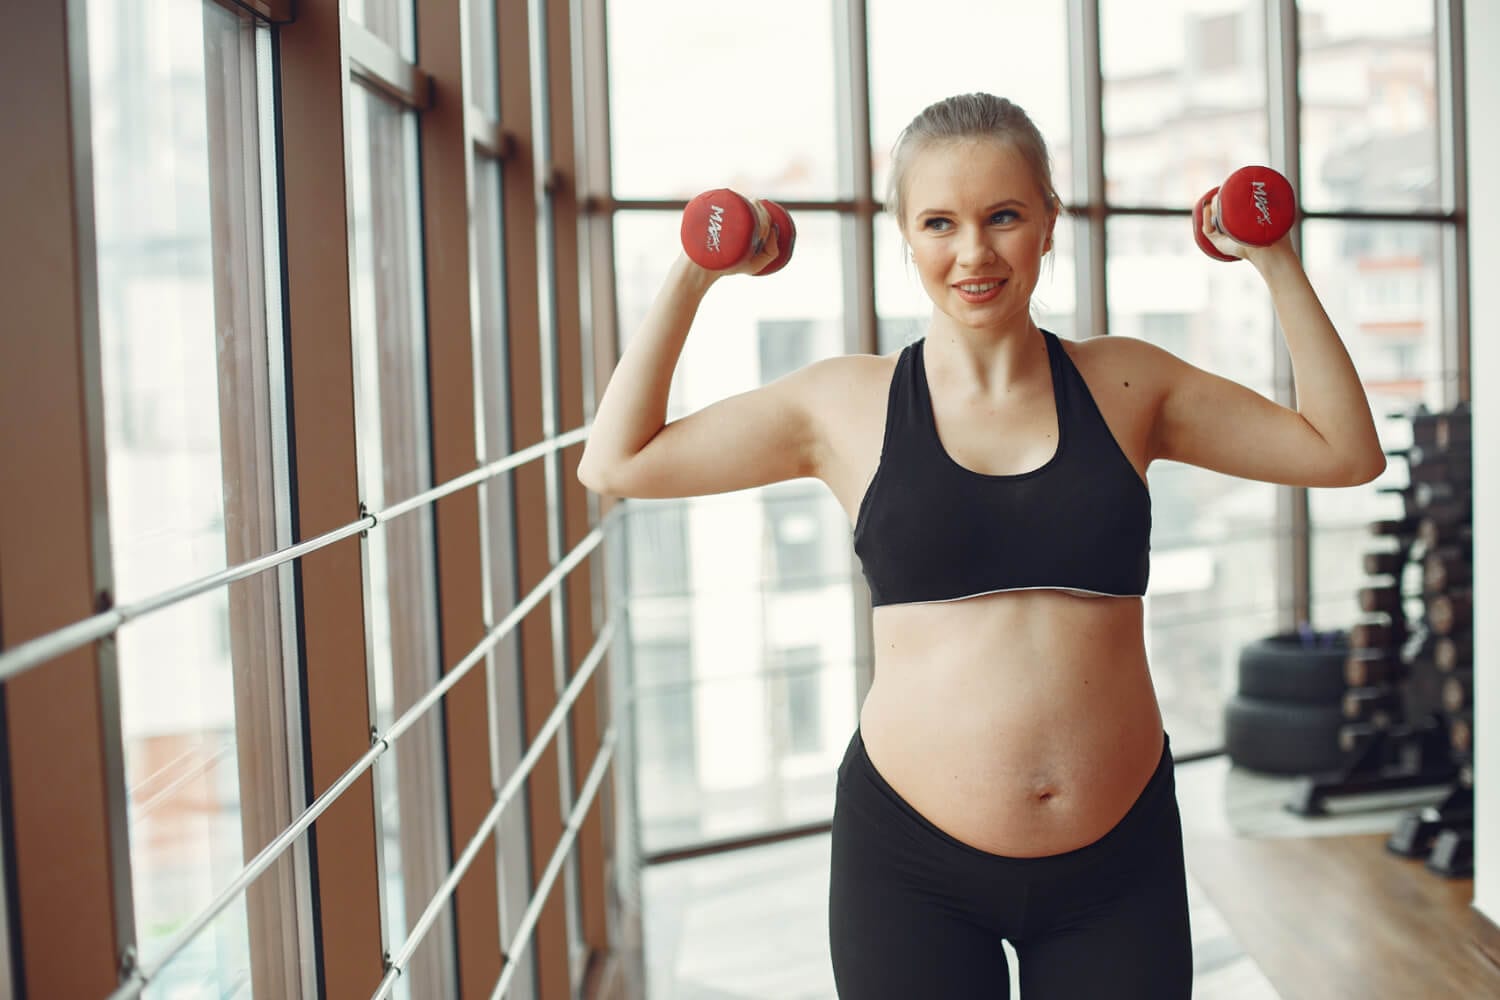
(1055, 204)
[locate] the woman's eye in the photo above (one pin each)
(1005, 216)
(935, 223)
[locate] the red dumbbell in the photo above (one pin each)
(1256, 207)
(719, 227)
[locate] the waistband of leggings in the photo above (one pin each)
(1160, 784)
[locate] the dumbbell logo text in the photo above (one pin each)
(715, 226)
(721, 229)
(1262, 203)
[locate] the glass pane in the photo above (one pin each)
(1382, 284)
(703, 96)
(917, 57)
(484, 49)
(904, 309)
(1213, 541)
(189, 371)
(738, 599)
(392, 21)
(1184, 97)
(392, 431)
(1368, 84)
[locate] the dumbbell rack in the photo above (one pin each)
(1409, 677)
(1442, 471)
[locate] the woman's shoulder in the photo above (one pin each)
(1115, 346)
(845, 375)
(846, 394)
(1119, 358)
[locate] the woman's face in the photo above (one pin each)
(977, 224)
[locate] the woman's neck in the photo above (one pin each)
(984, 359)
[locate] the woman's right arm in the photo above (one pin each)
(762, 436)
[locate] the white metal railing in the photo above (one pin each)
(23, 656)
(512, 787)
(142, 974)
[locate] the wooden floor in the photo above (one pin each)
(1332, 917)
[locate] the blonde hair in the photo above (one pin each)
(969, 116)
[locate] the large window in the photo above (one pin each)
(1191, 90)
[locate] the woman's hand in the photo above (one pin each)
(1227, 245)
(765, 238)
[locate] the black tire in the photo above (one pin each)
(1282, 738)
(1286, 668)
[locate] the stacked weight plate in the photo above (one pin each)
(1439, 656)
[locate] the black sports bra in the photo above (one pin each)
(929, 529)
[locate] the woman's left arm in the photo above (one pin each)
(1329, 440)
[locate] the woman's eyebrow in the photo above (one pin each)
(988, 208)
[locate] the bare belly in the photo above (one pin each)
(1023, 724)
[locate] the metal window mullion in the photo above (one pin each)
(112, 737)
(281, 488)
(378, 766)
(569, 145)
(1293, 515)
(490, 503)
(609, 203)
(1086, 104)
(382, 68)
(369, 428)
(600, 331)
(547, 331)
(588, 20)
(268, 12)
(1453, 178)
(861, 315)
(242, 127)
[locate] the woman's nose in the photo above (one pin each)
(975, 250)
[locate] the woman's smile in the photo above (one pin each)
(980, 291)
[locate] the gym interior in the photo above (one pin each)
(322, 675)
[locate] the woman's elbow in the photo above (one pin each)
(1366, 469)
(594, 479)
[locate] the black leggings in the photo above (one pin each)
(916, 913)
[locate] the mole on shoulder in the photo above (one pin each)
(1127, 385)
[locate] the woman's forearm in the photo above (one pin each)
(634, 406)
(1330, 396)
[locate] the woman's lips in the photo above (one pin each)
(993, 288)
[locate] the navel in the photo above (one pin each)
(1046, 793)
